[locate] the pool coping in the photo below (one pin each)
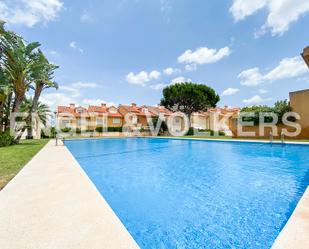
(198, 139)
(51, 203)
(295, 233)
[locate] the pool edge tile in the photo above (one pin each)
(295, 234)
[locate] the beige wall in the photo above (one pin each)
(199, 122)
(299, 102)
(266, 134)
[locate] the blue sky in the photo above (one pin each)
(128, 50)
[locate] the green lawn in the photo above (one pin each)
(13, 158)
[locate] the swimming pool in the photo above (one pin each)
(173, 193)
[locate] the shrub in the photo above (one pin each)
(190, 132)
(66, 129)
(78, 131)
(211, 132)
(90, 130)
(99, 129)
(53, 132)
(43, 135)
(6, 139)
(114, 129)
(221, 133)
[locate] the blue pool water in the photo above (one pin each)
(197, 194)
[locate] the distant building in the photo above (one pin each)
(136, 117)
(215, 119)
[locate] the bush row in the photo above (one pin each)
(6, 139)
(211, 132)
(97, 129)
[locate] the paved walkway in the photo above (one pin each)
(51, 204)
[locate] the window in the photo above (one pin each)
(80, 110)
(99, 121)
(113, 110)
(66, 123)
(116, 120)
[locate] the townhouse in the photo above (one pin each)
(137, 117)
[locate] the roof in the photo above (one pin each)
(159, 109)
(87, 112)
(73, 110)
(102, 109)
(139, 110)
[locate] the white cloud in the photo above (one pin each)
(159, 86)
(139, 79)
(263, 91)
(287, 68)
(74, 91)
(281, 13)
(229, 91)
(97, 102)
(256, 100)
(30, 12)
(243, 8)
(154, 74)
(58, 98)
(84, 85)
(203, 55)
(67, 94)
(251, 77)
(191, 67)
(53, 52)
(170, 71)
(73, 45)
(180, 79)
(142, 77)
(86, 17)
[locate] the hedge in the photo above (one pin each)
(6, 139)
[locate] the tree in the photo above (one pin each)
(188, 97)
(163, 126)
(280, 108)
(42, 75)
(257, 109)
(22, 67)
(42, 110)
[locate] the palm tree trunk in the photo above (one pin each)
(7, 111)
(17, 102)
(37, 94)
(1, 115)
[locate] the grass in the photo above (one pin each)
(13, 158)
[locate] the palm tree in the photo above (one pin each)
(42, 76)
(17, 60)
(22, 67)
(5, 93)
(42, 112)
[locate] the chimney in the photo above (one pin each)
(103, 105)
(133, 104)
(72, 106)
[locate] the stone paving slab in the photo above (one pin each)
(52, 204)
